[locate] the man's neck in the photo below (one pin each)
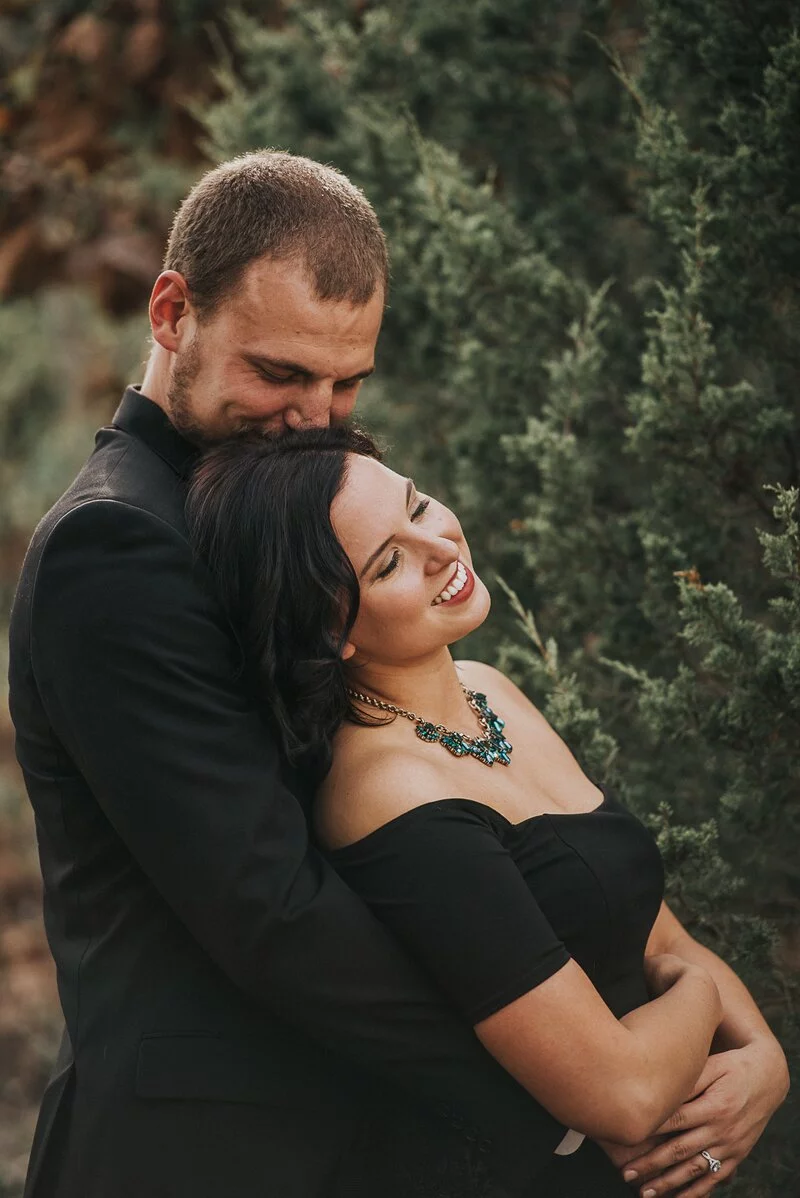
(156, 378)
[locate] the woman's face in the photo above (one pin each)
(418, 589)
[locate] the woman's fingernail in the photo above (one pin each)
(630, 1175)
(649, 1194)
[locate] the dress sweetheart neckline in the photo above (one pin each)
(530, 819)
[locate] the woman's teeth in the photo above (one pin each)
(453, 587)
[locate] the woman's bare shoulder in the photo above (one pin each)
(370, 784)
(477, 675)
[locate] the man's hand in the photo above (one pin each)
(726, 1112)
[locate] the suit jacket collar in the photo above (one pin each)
(144, 419)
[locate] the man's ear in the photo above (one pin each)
(348, 650)
(169, 304)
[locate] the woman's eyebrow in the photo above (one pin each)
(374, 556)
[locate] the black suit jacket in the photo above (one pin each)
(226, 997)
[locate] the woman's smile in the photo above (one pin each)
(459, 588)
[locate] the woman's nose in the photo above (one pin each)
(442, 551)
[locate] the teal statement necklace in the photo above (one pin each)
(489, 748)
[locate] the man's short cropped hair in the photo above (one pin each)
(277, 205)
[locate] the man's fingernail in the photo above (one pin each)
(630, 1175)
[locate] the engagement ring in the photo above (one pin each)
(714, 1165)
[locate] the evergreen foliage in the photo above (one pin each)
(592, 351)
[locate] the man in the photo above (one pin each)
(220, 985)
(226, 998)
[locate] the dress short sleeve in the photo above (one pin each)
(440, 877)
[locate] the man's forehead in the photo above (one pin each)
(273, 312)
(288, 282)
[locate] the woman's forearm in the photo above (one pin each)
(674, 1034)
(742, 1022)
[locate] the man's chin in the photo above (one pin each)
(207, 436)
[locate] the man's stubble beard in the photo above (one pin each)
(179, 406)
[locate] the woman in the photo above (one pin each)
(446, 800)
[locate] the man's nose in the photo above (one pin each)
(311, 409)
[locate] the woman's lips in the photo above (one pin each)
(465, 592)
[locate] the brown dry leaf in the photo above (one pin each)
(13, 248)
(135, 254)
(69, 134)
(144, 48)
(692, 577)
(87, 38)
(23, 941)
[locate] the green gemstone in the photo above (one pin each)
(454, 743)
(484, 751)
(489, 748)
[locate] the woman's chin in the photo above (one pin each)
(463, 618)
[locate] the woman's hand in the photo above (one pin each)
(726, 1112)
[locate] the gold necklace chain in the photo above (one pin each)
(410, 715)
(491, 747)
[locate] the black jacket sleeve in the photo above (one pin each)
(138, 672)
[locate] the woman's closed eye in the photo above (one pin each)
(394, 560)
(392, 565)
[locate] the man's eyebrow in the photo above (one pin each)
(296, 368)
(373, 557)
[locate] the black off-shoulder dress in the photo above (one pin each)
(492, 908)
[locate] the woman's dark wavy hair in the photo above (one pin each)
(258, 512)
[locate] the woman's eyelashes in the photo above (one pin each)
(394, 560)
(391, 566)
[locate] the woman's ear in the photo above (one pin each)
(348, 650)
